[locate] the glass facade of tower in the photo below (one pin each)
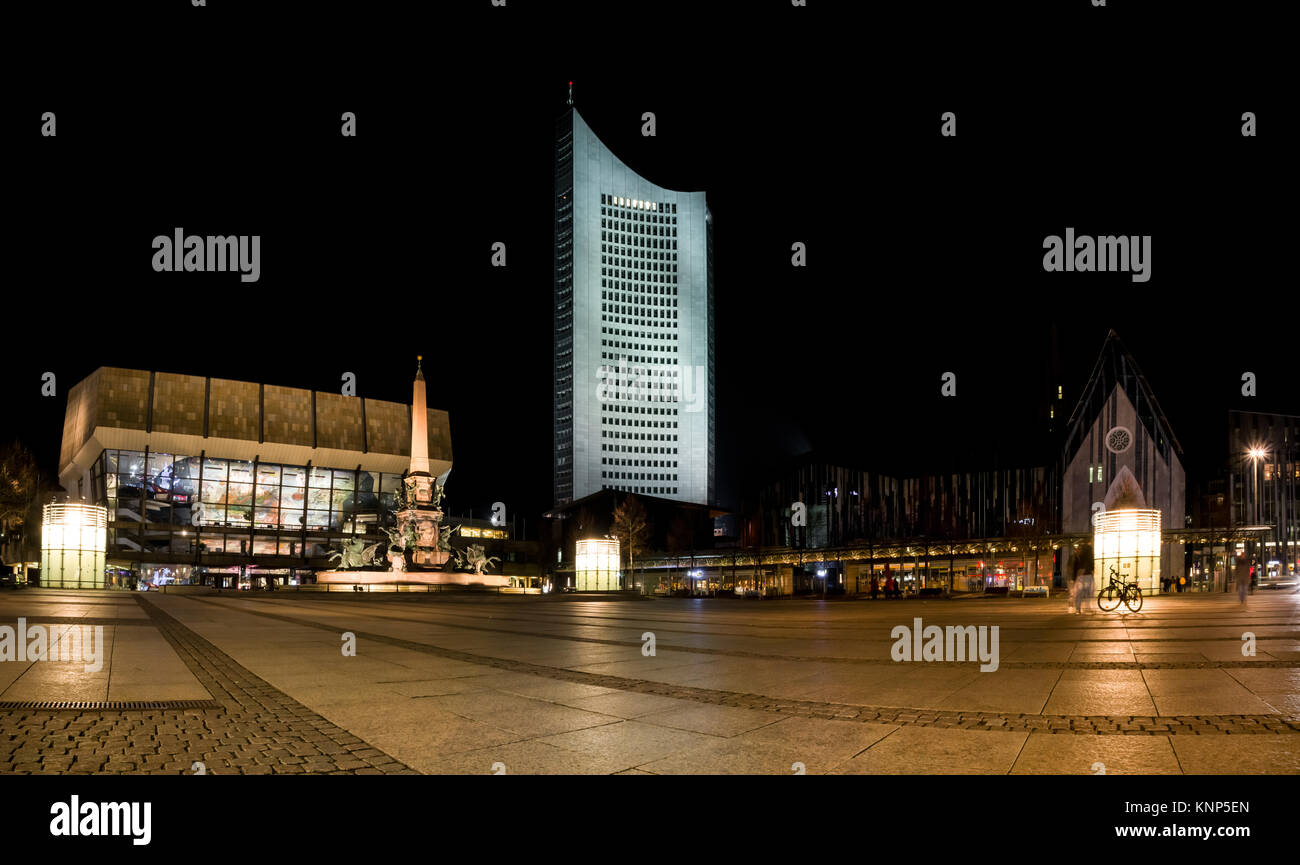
(634, 404)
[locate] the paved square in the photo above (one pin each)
(478, 683)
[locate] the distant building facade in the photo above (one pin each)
(826, 525)
(963, 531)
(1264, 483)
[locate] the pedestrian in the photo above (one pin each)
(875, 586)
(1082, 577)
(1242, 573)
(1074, 584)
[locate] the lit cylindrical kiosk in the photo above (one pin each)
(596, 562)
(74, 538)
(1128, 539)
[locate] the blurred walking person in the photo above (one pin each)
(1081, 576)
(1242, 574)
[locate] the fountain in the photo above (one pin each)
(420, 547)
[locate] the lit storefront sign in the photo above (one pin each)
(473, 532)
(74, 538)
(1128, 539)
(597, 562)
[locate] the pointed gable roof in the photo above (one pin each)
(1124, 492)
(1115, 367)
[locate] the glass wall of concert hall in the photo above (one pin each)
(186, 509)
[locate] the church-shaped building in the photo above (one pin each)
(1118, 424)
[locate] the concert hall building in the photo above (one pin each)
(212, 480)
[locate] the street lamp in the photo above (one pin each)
(1256, 454)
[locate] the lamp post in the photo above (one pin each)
(1255, 454)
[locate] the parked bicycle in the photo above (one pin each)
(1119, 591)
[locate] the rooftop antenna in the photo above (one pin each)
(570, 92)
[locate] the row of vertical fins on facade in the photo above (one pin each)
(261, 412)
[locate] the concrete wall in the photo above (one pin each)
(116, 408)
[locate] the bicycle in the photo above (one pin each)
(1110, 597)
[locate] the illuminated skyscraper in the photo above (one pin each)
(634, 405)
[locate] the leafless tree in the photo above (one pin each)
(632, 528)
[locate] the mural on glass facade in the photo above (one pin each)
(174, 499)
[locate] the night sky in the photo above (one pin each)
(924, 253)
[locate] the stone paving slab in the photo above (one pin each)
(630, 743)
(811, 746)
(145, 667)
(1238, 755)
(712, 720)
(1201, 692)
(621, 704)
(60, 680)
(739, 756)
(1017, 691)
(1098, 692)
(527, 758)
(528, 718)
(931, 751)
(1045, 754)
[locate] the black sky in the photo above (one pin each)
(924, 253)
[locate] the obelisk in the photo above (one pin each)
(419, 423)
(422, 513)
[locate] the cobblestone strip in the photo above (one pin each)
(1123, 725)
(259, 731)
(742, 653)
